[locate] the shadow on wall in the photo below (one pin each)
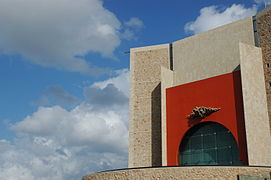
(239, 107)
(156, 126)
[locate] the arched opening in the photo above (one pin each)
(209, 144)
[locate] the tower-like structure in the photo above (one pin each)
(205, 99)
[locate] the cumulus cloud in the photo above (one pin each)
(105, 97)
(213, 16)
(55, 143)
(121, 82)
(54, 33)
(103, 130)
(19, 161)
(56, 95)
(132, 26)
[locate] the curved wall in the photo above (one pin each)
(184, 173)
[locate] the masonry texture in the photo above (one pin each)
(264, 32)
(145, 105)
(184, 173)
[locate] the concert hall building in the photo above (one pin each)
(200, 107)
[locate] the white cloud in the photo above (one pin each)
(121, 81)
(128, 35)
(131, 27)
(264, 2)
(83, 125)
(213, 16)
(135, 23)
(52, 32)
(55, 143)
(55, 162)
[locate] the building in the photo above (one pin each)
(203, 100)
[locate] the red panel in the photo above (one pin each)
(223, 92)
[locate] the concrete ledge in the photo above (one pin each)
(149, 48)
(184, 173)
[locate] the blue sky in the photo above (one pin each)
(65, 77)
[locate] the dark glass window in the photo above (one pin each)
(209, 144)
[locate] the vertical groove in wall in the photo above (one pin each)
(156, 138)
(256, 36)
(171, 56)
(264, 28)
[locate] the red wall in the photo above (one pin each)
(223, 92)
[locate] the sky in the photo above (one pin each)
(64, 73)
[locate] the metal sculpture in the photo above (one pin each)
(202, 112)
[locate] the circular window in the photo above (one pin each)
(209, 144)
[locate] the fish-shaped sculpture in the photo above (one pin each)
(202, 112)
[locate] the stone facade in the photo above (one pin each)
(263, 20)
(204, 55)
(185, 173)
(223, 50)
(145, 105)
(255, 106)
(192, 61)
